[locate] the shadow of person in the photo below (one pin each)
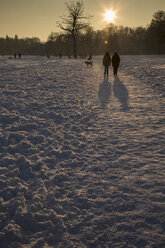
(104, 92)
(121, 92)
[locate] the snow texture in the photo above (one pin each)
(82, 157)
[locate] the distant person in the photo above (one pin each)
(106, 62)
(15, 55)
(90, 57)
(115, 63)
(19, 55)
(60, 55)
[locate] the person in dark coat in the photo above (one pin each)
(90, 57)
(106, 62)
(115, 63)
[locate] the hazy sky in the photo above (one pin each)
(38, 18)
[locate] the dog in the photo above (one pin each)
(89, 62)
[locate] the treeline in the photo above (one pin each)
(27, 46)
(126, 40)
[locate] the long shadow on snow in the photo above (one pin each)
(104, 92)
(121, 92)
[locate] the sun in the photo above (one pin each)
(109, 16)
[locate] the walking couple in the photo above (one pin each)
(107, 63)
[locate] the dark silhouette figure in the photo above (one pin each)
(15, 55)
(60, 55)
(89, 61)
(106, 62)
(19, 55)
(115, 63)
(121, 92)
(90, 57)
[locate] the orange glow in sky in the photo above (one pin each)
(38, 18)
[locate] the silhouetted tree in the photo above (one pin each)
(86, 41)
(126, 40)
(74, 22)
(156, 31)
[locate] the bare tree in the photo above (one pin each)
(74, 22)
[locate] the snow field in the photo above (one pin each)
(82, 157)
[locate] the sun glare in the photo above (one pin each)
(109, 15)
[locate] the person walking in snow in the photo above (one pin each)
(115, 63)
(106, 62)
(90, 57)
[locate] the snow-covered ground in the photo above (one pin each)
(82, 158)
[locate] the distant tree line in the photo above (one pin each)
(126, 40)
(27, 46)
